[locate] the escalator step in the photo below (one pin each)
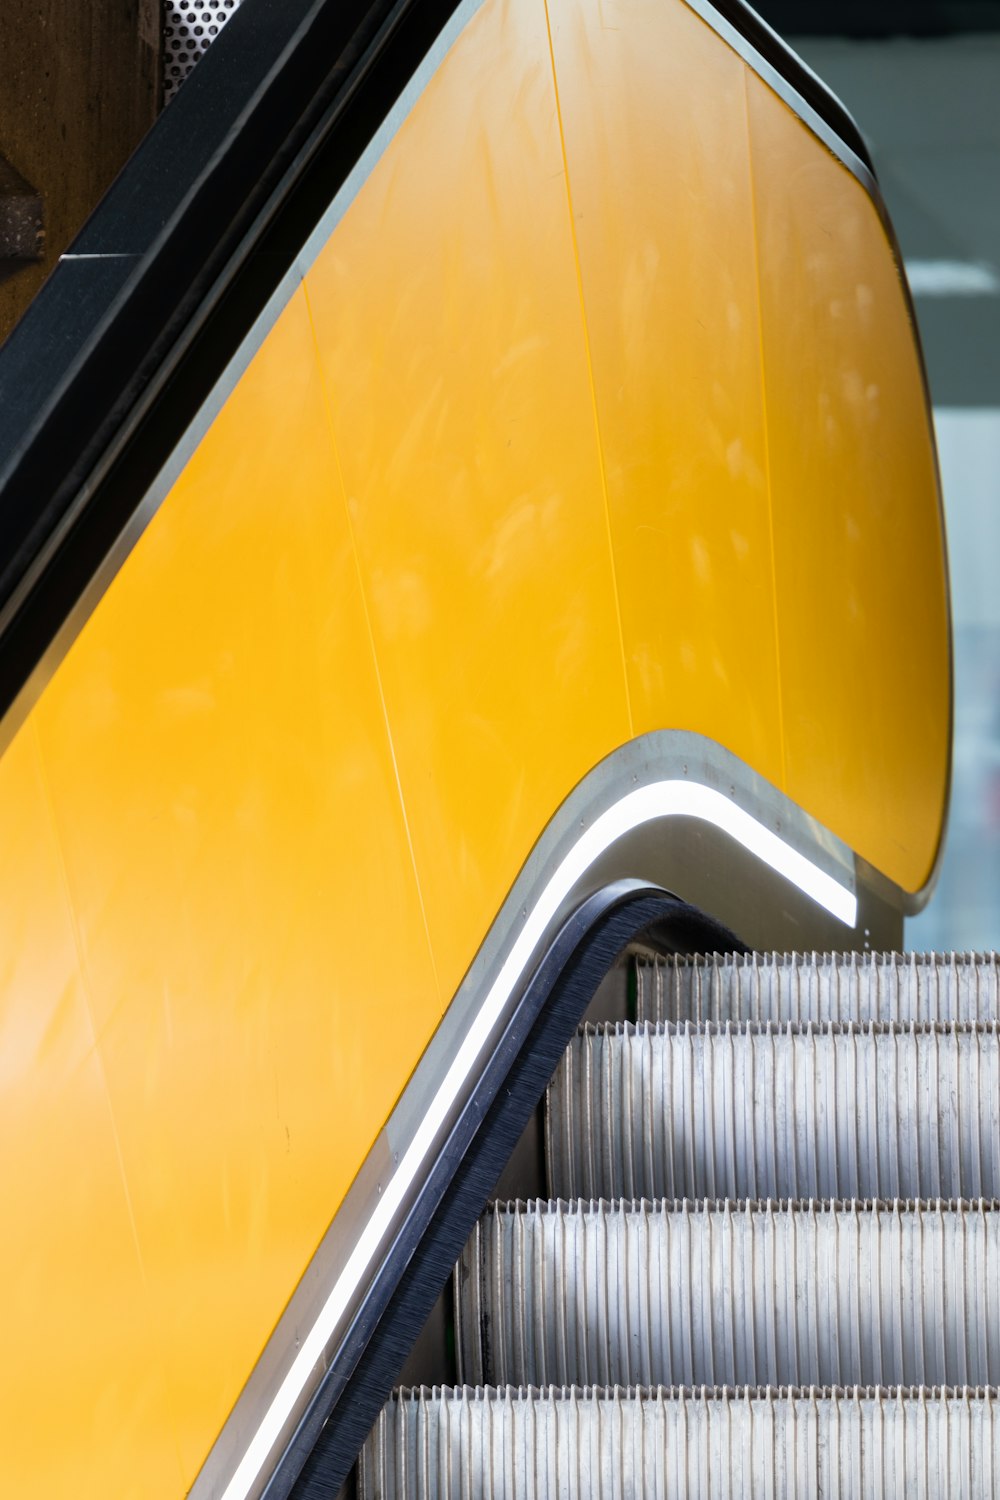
(758, 1111)
(434, 1444)
(910, 987)
(717, 1294)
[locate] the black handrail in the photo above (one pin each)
(870, 19)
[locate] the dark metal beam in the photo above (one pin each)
(871, 19)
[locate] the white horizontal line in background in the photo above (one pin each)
(968, 442)
(952, 278)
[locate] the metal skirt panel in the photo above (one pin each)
(761, 1294)
(752, 1111)
(672, 1445)
(901, 987)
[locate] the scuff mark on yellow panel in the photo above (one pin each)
(862, 603)
(654, 118)
(79, 1380)
(237, 862)
(448, 318)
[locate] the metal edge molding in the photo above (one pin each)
(588, 848)
(777, 65)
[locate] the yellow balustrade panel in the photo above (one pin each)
(654, 118)
(861, 589)
(223, 810)
(81, 1378)
(449, 322)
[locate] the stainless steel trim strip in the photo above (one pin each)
(588, 844)
(782, 85)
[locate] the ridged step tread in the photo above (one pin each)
(901, 987)
(723, 1294)
(756, 1110)
(510, 1444)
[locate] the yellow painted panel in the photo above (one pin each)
(448, 316)
(862, 610)
(654, 116)
(236, 855)
(78, 1375)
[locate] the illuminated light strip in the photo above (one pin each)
(660, 799)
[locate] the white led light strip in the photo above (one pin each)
(660, 799)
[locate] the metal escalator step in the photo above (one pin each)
(435, 1444)
(758, 1111)
(902, 987)
(717, 1294)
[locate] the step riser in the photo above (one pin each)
(657, 1112)
(839, 987)
(740, 1448)
(636, 1295)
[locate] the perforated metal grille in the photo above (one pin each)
(188, 28)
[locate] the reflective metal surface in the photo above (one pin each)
(597, 1293)
(747, 1109)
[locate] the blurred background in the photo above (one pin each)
(922, 79)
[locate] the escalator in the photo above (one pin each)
(403, 549)
(769, 1264)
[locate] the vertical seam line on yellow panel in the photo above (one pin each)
(87, 986)
(328, 407)
(766, 431)
(590, 372)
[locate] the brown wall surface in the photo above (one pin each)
(79, 87)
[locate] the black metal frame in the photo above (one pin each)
(120, 349)
(868, 19)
